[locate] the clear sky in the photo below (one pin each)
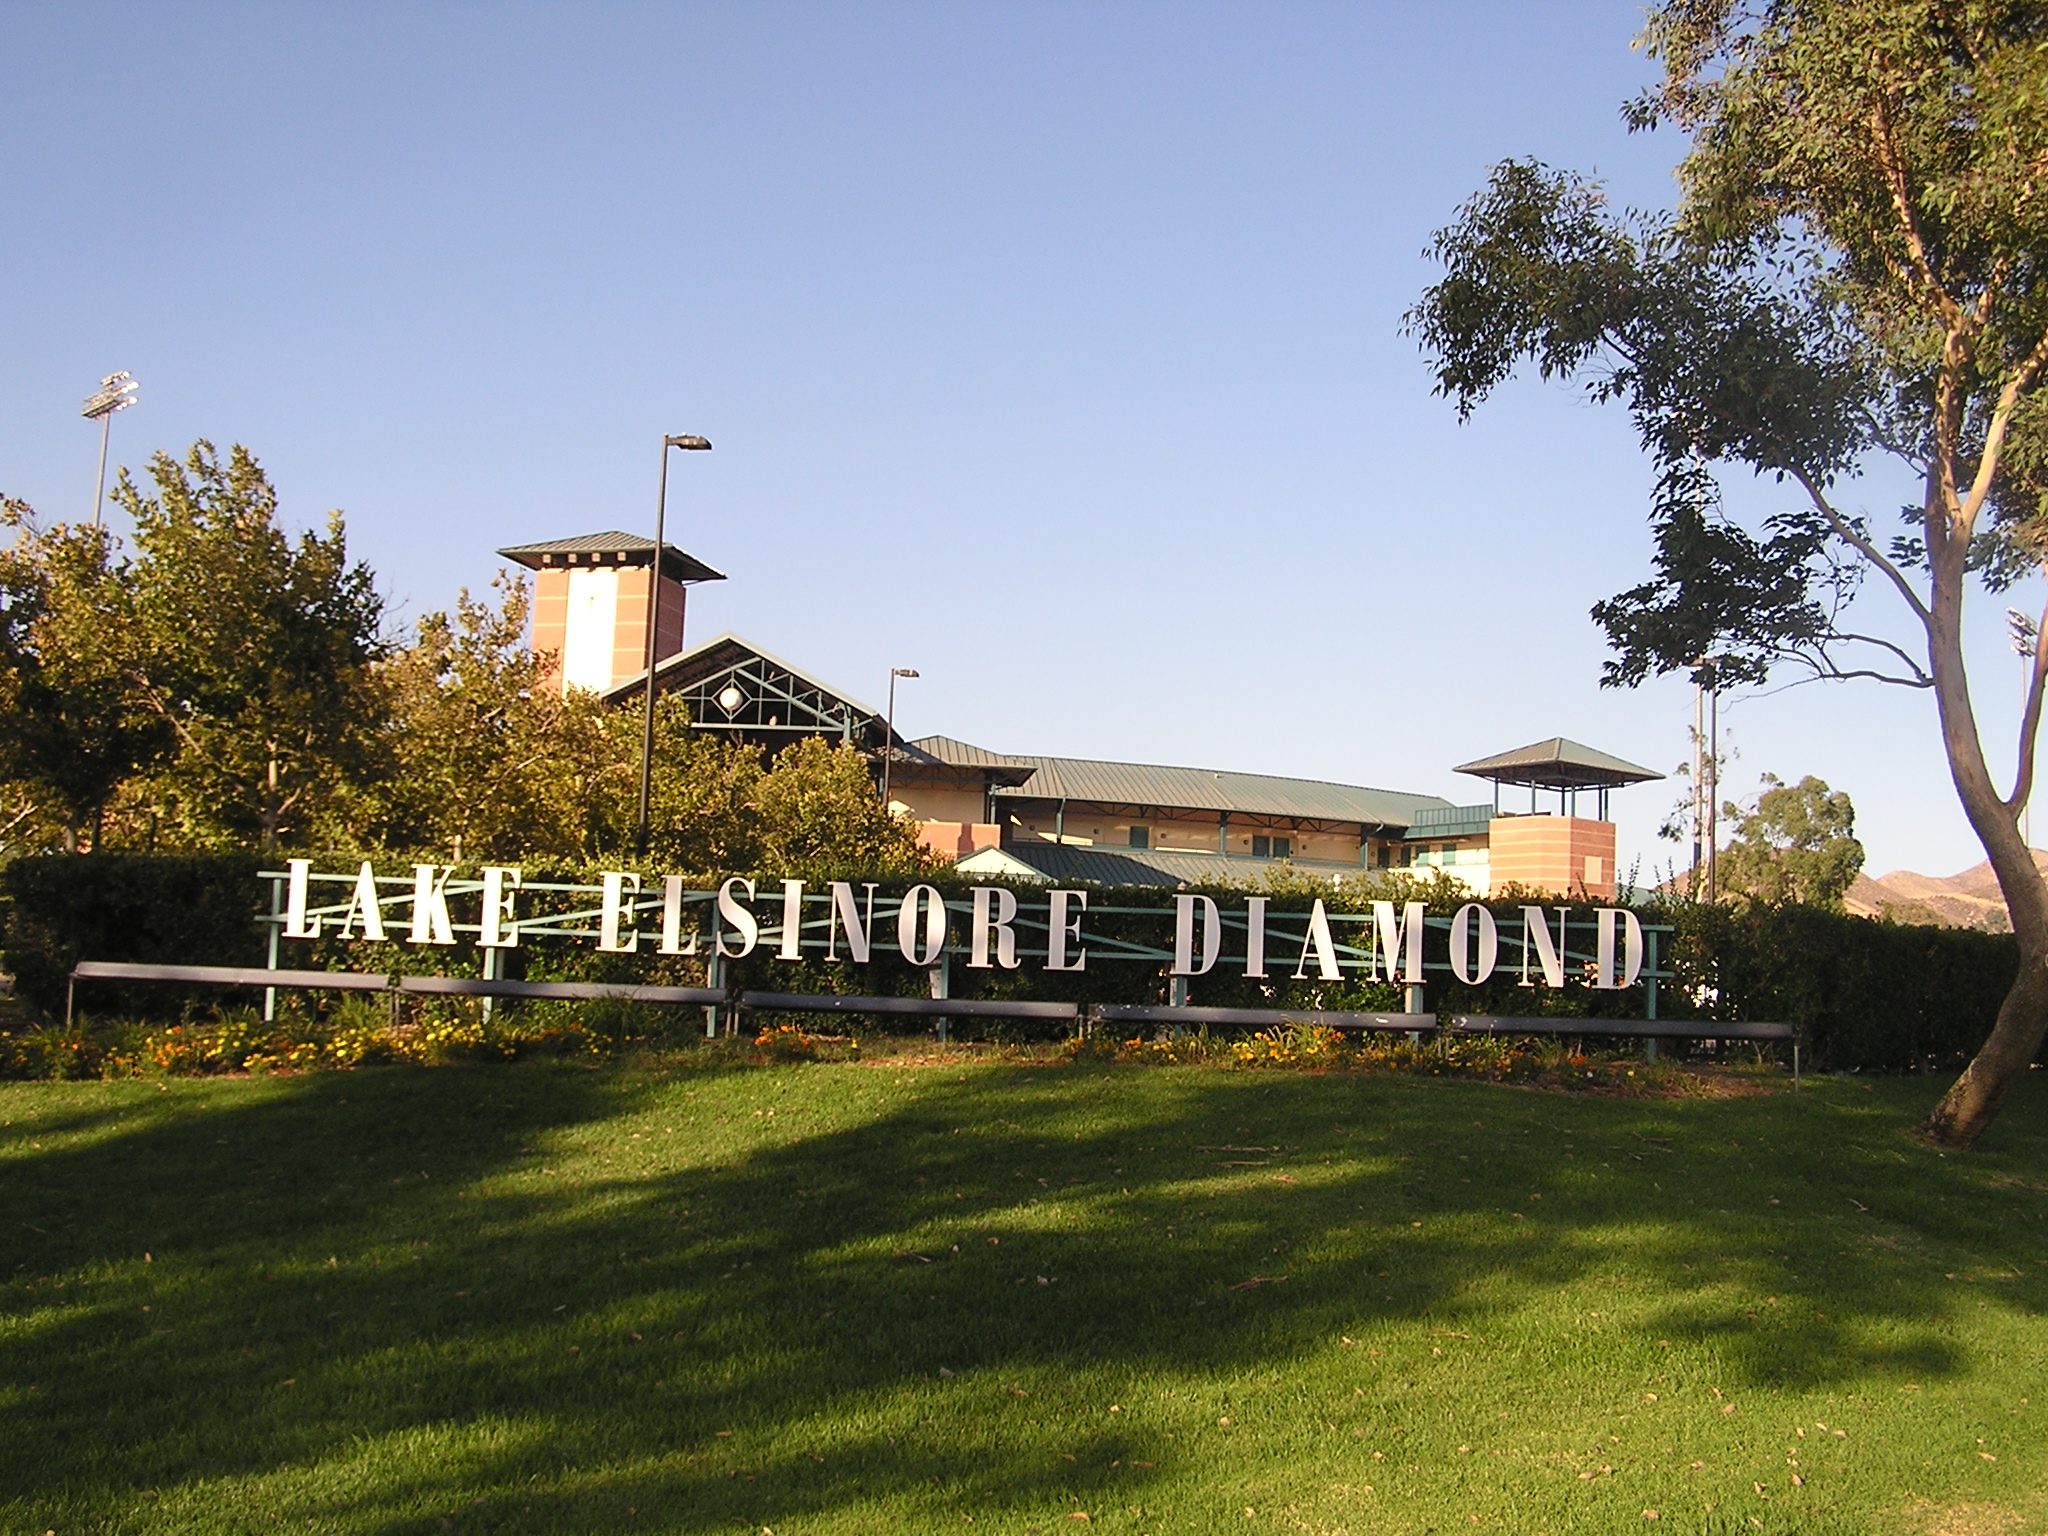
(1053, 350)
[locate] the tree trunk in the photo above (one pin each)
(1975, 1098)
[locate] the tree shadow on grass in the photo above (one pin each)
(386, 1274)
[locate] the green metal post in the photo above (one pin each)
(276, 927)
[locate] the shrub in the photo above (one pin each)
(65, 908)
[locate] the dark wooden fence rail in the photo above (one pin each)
(736, 1001)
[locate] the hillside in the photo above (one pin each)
(1968, 900)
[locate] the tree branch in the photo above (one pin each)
(1919, 679)
(1862, 545)
(1952, 313)
(1994, 434)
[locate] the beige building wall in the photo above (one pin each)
(937, 802)
(1087, 827)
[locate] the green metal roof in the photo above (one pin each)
(1139, 866)
(1452, 821)
(1558, 764)
(1155, 787)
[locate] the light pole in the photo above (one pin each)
(2026, 639)
(1699, 778)
(116, 393)
(1714, 785)
(699, 444)
(889, 745)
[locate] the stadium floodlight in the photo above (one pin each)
(116, 393)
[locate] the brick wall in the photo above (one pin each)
(1570, 855)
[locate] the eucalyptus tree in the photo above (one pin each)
(1857, 272)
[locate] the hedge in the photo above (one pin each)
(143, 908)
(1865, 994)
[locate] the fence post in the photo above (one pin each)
(270, 963)
(714, 975)
(1413, 1004)
(1650, 983)
(942, 987)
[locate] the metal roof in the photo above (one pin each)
(626, 548)
(958, 761)
(1138, 866)
(961, 754)
(1558, 764)
(1456, 821)
(1146, 785)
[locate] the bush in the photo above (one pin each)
(1865, 994)
(142, 908)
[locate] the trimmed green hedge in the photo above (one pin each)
(128, 906)
(1865, 995)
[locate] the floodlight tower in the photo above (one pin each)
(116, 393)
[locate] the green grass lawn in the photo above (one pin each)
(851, 1298)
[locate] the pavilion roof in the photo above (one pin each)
(611, 548)
(1558, 763)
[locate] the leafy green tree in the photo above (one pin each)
(820, 814)
(704, 815)
(1797, 843)
(77, 726)
(483, 758)
(1855, 275)
(257, 652)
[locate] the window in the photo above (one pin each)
(1271, 847)
(1449, 852)
(1141, 837)
(1386, 856)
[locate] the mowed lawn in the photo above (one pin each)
(840, 1298)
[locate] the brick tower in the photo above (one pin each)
(590, 605)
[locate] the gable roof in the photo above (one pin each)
(620, 548)
(1151, 786)
(777, 702)
(1558, 763)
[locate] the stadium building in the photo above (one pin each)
(1068, 819)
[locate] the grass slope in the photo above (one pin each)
(861, 1298)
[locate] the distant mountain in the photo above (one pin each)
(1968, 900)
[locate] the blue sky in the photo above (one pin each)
(1053, 350)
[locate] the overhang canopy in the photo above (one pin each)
(610, 548)
(1558, 764)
